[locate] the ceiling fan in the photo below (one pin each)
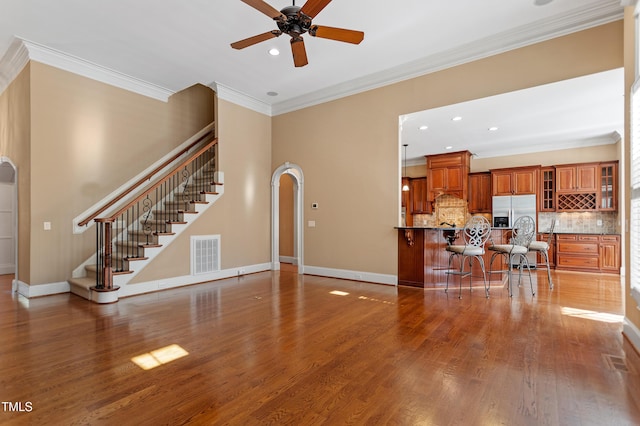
(295, 21)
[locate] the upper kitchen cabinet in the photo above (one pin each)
(576, 178)
(418, 196)
(515, 180)
(587, 187)
(608, 189)
(548, 189)
(480, 192)
(448, 174)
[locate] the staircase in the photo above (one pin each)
(132, 237)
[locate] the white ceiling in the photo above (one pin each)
(173, 44)
(574, 113)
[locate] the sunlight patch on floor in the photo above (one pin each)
(591, 315)
(160, 356)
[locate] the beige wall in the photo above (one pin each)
(350, 154)
(632, 313)
(15, 133)
(87, 139)
(242, 215)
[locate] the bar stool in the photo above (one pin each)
(476, 233)
(523, 231)
(542, 247)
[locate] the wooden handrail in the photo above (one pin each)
(144, 179)
(193, 157)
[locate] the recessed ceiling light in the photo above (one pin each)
(424, 127)
(448, 147)
(272, 93)
(541, 2)
(457, 118)
(274, 52)
(493, 129)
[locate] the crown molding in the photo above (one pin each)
(536, 32)
(22, 51)
(12, 63)
(228, 94)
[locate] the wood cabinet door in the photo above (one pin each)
(480, 193)
(455, 179)
(501, 183)
(419, 202)
(525, 182)
(565, 179)
(610, 253)
(586, 178)
(437, 179)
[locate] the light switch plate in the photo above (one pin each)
(312, 224)
(47, 226)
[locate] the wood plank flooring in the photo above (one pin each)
(278, 348)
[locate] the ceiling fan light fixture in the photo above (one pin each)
(456, 118)
(424, 127)
(274, 52)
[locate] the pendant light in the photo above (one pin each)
(405, 187)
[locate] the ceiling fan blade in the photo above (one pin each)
(312, 7)
(255, 39)
(299, 52)
(338, 34)
(265, 8)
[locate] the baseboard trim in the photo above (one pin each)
(40, 290)
(632, 333)
(352, 275)
(185, 280)
(289, 259)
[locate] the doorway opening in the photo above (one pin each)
(293, 230)
(8, 223)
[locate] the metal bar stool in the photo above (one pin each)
(523, 231)
(476, 233)
(542, 247)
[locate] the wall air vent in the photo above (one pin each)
(205, 254)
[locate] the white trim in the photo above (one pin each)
(163, 284)
(632, 332)
(21, 51)
(289, 259)
(228, 94)
(39, 290)
(12, 63)
(535, 32)
(346, 274)
(298, 206)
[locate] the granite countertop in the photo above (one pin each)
(541, 231)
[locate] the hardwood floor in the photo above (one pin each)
(278, 348)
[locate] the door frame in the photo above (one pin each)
(296, 174)
(14, 182)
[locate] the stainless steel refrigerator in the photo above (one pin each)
(508, 208)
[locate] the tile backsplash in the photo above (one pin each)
(446, 209)
(454, 210)
(580, 222)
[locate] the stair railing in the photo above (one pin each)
(122, 237)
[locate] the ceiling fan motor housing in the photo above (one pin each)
(296, 23)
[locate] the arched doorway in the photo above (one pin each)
(295, 172)
(8, 220)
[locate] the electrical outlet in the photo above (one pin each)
(599, 222)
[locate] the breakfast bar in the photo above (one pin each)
(423, 259)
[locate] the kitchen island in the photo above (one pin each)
(423, 259)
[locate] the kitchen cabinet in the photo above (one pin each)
(479, 192)
(588, 252)
(608, 188)
(547, 189)
(551, 252)
(515, 180)
(587, 187)
(418, 195)
(448, 174)
(610, 253)
(576, 178)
